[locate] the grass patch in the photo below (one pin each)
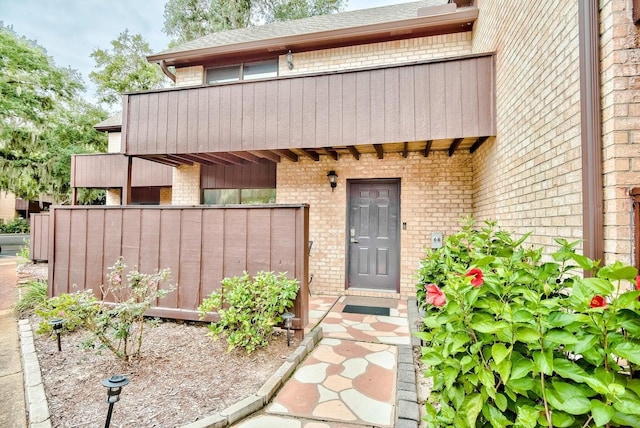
(32, 295)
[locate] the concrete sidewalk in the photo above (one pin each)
(12, 399)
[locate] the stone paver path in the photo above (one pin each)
(349, 379)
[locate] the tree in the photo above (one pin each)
(42, 120)
(185, 20)
(124, 68)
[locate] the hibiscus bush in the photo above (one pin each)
(517, 339)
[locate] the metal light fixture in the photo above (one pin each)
(333, 179)
(288, 320)
(57, 328)
(114, 385)
(290, 60)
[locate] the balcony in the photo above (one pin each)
(436, 105)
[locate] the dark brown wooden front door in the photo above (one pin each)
(373, 235)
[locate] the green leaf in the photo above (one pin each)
(495, 416)
(634, 385)
(617, 272)
(625, 419)
(431, 358)
(522, 316)
(521, 368)
(527, 335)
(499, 352)
(628, 300)
(627, 405)
(588, 341)
(544, 361)
(629, 351)
(501, 402)
(598, 285)
(483, 261)
(527, 416)
(560, 336)
(601, 412)
(561, 419)
(504, 369)
(560, 319)
(471, 408)
(584, 262)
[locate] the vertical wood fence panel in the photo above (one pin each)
(39, 239)
(201, 245)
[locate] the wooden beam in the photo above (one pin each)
(161, 160)
(266, 154)
(198, 159)
(354, 152)
(427, 148)
(405, 149)
(477, 144)
(379, 150)
(223, 158)
(288, 154)
(454, 146)
(179, 160)
(311, 154)
(248, 157)
(330, 152)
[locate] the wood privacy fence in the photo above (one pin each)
(201, 245)
(39, 239)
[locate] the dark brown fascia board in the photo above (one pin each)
(109, 128)
(460, 20)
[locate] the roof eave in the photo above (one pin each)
(460, 20)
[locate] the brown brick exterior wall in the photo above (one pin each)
(186, 185)
(620, 82)
(190, 76)
(435, 193)
(373, 54)
(529, 177)
(7, 206)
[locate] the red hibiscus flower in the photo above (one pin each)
(638, 284)
(476, 277)
(435, 296)
(598, 302)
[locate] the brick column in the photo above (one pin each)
(186, 185)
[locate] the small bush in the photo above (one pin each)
(117, 325)
(18, 225)
(75, 309)
(32, 295)
(513, 339)
(249, 308)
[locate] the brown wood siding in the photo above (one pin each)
(110, 170)
(201, 246)
(251, 176)
(39, 237)
(436, 100)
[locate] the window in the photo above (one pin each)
(248, 71)
(239, 196)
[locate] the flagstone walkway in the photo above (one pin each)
(349, 379)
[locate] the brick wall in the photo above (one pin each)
(113, 197)
(115, 142)
(528, 177)
(186, 185)
(7, 206)
(165, 196)
(383, 53)
(190, 76)
(435, 193)
(620, 82)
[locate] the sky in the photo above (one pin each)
(70, 30)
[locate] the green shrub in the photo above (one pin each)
(513, 338)
(249, 308)
(18, 225)
(32, 295)
(117, 325)
(75, 309)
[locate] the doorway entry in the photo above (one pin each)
(373, 234)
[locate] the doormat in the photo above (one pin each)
(366, 310)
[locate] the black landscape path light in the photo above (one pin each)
(57, 328)
(114, 385)
(288, 317)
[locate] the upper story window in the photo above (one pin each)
(246, 71)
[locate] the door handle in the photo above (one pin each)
(354, 241)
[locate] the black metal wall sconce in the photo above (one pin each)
(333, 179)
